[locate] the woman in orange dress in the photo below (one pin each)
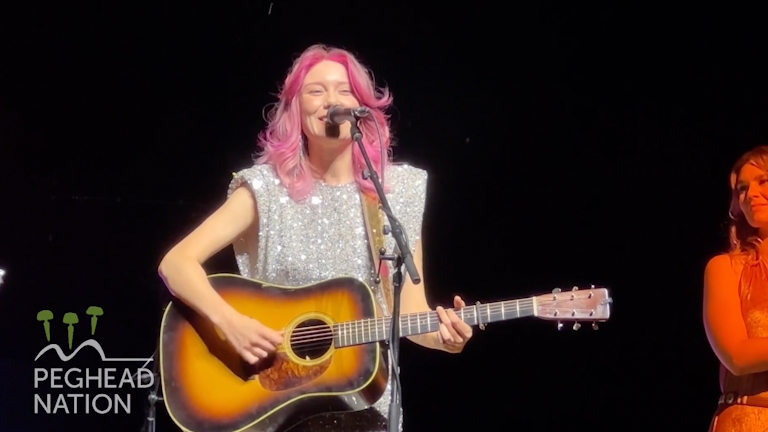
(736, 302)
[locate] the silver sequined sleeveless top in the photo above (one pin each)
(298, 243)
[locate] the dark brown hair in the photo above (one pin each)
(743, 236)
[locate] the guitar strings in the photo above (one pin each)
(356, 330)
(353, 336)
(301, 337)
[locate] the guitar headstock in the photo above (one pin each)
(592, 304)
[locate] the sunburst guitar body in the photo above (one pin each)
(332, 357)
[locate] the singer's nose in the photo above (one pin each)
(331, 101)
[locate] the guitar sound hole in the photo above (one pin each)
(311, 339)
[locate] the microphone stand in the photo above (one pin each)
(402, 256)
(152, 397)
(150, 420)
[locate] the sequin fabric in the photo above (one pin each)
(754, 309)
(321, 237)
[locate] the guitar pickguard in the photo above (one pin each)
(284, 374)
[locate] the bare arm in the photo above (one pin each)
(181, 269)
(724, 324)
(413, 299)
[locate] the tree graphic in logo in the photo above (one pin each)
(95, 312)
(45, 316)
(70, 319)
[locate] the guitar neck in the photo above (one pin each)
(378, 329)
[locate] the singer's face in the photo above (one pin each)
(752, 186)
(325, 85)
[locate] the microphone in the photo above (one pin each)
(337, 114)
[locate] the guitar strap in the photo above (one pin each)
(373, 217)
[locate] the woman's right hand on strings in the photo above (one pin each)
(250, 338)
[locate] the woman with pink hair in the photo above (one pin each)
(296, 217)
(736, 301)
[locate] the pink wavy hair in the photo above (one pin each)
(280, 141)
(743, 236)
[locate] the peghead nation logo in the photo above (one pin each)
(72, 390)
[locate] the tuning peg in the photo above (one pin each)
(556, 290)
(559, 325)
(576, 326)
(594, 325)
(575, 288)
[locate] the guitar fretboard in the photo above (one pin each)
(378, 329)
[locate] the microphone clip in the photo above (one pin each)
(338, 114)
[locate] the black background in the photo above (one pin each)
(566, 145)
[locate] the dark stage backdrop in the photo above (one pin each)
(566, 146)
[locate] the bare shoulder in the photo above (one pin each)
(722, 268)
(237, 214)
(719, 263)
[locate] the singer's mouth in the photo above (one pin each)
(322, 118)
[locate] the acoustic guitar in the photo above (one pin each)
(331, 360)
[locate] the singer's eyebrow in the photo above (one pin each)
(744, 183)
(320, 83)
(756, 177)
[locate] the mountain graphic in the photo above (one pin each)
(91, 343)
